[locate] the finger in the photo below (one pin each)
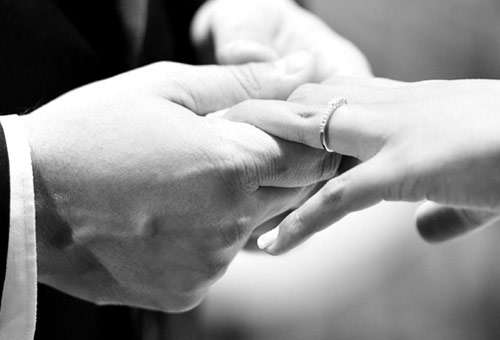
(296, 197)
(437, 223)
(273, 201)
(359, 188)
(251, 244)
(201, 23)
(355, 90)
(363, 81)
(239, 34)
(293, 122)
(205, 89)
(349, 129)
(266, 204)
(295, 165)
(262, 160)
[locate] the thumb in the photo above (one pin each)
(238, 36)
(437, 223)
(205, 89)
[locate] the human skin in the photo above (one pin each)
(261, 30)
(141, 199)
(240, 31)
(432, 140)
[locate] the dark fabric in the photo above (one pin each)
(48, 47)
(4, 209)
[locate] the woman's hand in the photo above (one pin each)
(435, 140)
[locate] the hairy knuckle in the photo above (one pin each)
(237, 174)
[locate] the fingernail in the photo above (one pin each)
(267, 239)
(295, 62)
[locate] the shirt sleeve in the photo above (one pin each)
(18, 301)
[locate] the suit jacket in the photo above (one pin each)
(48, 47)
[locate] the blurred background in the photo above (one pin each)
(370, 276)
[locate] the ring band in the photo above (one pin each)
(333, 106)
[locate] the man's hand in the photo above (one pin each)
(143, 201)
(263, 30)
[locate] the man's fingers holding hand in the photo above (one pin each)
(293, 122)
(205, 89)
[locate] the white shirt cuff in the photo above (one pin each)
(18, 313)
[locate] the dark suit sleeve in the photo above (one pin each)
(4, 209)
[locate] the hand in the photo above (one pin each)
(264, 30)
(142, 201)
(435, 140)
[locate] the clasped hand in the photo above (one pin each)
(142, 199)
(433, 140)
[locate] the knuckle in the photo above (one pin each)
(231, 233)
(183, 94)
(165, 69)
(228, 234)
(333, 192)
(245, 177)
(296, 225)
(246, 78)
(176, 83)
(236, 174)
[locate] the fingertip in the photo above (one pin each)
(289, 234)
(275, 242)
(266, 240)
(200, 26)
(436, 223)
